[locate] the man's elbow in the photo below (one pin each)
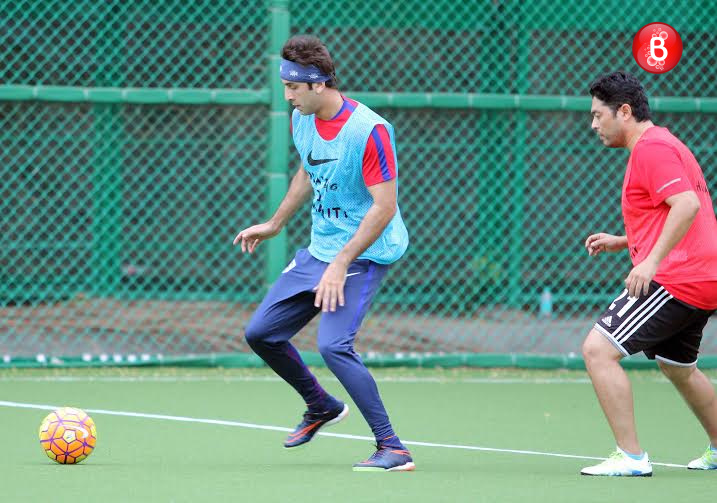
(692, 205)
(686, 203)
(388, 210)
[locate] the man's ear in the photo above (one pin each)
(625, 110)
(319, 87)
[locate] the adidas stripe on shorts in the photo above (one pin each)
(661, 326)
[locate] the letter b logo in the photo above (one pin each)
(657, 47)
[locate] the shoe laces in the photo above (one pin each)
(381, 451)
(710, 455)
(618, 456)
(310, 417)
(615, 457)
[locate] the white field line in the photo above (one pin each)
(387, 379)
(280, 428)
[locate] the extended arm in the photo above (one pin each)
(299, 191)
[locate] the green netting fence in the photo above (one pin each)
(139, 136)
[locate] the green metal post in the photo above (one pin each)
(277, 168)
(520, 138)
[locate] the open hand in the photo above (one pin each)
(638, 281)
(251, 237)
(602, 242)
(330, 290)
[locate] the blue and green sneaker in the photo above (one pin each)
(708, 461)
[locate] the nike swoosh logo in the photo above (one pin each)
(316, 162)
(353, 274)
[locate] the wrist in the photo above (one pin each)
(654, 261)
(276, 224)
(342, 260)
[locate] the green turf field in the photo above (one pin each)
(162, 459)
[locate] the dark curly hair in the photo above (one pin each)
(618, 88)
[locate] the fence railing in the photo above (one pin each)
(138, 137)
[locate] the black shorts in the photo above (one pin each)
(661, 326)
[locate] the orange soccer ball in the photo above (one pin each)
(68, 435)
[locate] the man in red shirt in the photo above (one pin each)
(671, 291)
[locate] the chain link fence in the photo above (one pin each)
(134, 144)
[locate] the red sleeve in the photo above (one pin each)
(379, 161)
(661, 171)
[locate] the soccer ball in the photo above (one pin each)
(68, 435)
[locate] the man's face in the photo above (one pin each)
(609, 125)
(302, 98)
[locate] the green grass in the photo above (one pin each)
(153, 460)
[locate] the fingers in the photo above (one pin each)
(336, 298)
(241, 238)
(332, 301)
(629, 285)
(644, 287)
(328, 297)
(325, 299)
(248, 244)
(633, 284)
(636, 286)
(591, 244)
(597, 247)
(598, 243)
(590, 239)
(319, 297)
(341, 296)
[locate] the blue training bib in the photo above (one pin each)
(341, 198)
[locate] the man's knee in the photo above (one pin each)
(597, 348)
(254, 334)
(332, 349)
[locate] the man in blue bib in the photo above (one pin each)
(350, 171)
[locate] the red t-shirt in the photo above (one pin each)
(660, 166)
(379, 162)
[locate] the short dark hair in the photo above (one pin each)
(309, 50)
(618, 88)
